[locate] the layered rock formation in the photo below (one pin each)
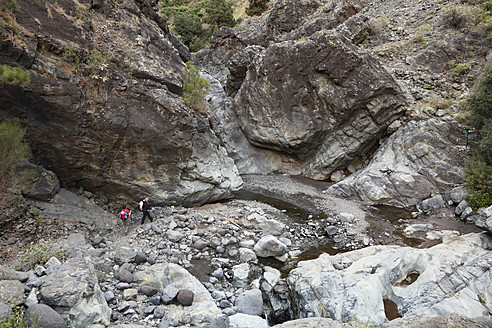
(303, 98)
(420, 159)
(103, 106)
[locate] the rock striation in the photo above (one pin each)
(103, 106)
(421, 159)
(301, 96)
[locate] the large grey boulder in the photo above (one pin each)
(452, 277)
(38, 183)
(302, 98)
(418, 160)
(11, 291)
(269, 246)
(43, 316)
(250, 302)
(69, 206)
(74, 292)
(241, 320)
(5, 311)
(441, 321)
(203, 311)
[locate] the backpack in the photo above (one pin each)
(124, 214)
(140, 205)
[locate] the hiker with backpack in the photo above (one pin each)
(145, 207)
(124, 215)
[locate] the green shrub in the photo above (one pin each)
(13, 75)
(195, 21)
(194, 87)
(13, 150)
(16, 320)
(38, 254)
(478, 169)
(458, 15)
(458, 69)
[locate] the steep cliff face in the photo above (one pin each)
(103, 106)
(304, 96)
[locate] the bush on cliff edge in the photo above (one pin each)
(478, 169)
(13, 150)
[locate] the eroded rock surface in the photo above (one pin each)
(103, 106)
(420, 159)
(453, 277)
(306, 98)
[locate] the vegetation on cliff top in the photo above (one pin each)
(195, 21)
(478, 170)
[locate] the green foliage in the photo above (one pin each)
(8, 5)
(194, 87)
(13, 75)
(16, 320)
(478, 169)
(195, 21)
(480, 106)
(13, 149)
(458, 69)
(38, 254)
(257, 7)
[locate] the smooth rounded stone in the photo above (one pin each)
(233, 253)
(418, 228)
(337, 176)
(345, 217)
(218, 273)
(174, 235)
(122, 285)
(128, 267)
(149, 309)
(148, 290)
(163, 324)
(351, 232)
(185, 297)
(269, 246)
(248, 243)
(241, 320)
(132, 304)
(11, 292)
(42, 316)
(241, 273)
(247, 255)
(5, 311)
(108, 296)
(337, 238)
(125, 276)
(155, 300)
(331, 230)
(159, 312)
(229, 311)
(140, 257)
(130, 294)
(250, 302)
(200, 244)
(169, 293)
